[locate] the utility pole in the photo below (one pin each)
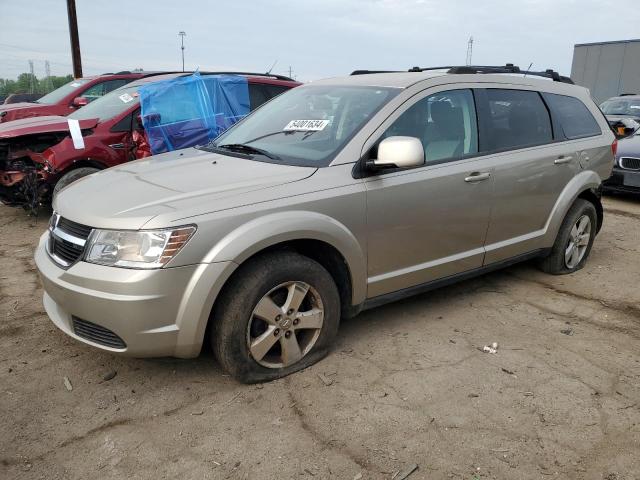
(73, 37)
(182, 35)
(290, 72)
(469, 50)
(31, 77)
(48, 81)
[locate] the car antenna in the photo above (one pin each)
(274, 64)
(528, 69)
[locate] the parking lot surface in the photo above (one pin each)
(406, 385)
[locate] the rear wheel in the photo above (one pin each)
(574, 241)
(71, 176)
(278, 314)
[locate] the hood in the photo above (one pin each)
(180, 184)
(21, 105)
(52, 123)
(630, 146)
(13, 111)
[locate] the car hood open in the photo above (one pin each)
(34, 125)
(177, 184)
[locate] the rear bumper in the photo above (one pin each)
(623, 181)
(155, 313)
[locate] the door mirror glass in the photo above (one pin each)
(79, 102)
(400, 152)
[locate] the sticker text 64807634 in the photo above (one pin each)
(305, 125)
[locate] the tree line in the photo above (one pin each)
(27, 83)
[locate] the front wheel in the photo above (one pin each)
(279, 313)
(574, 241)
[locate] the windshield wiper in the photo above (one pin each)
(241, 147)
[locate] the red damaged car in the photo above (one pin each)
(70, 97)
(41, 155)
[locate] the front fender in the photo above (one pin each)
(269, 230)
(585, 180)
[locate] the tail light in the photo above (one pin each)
(614, 147)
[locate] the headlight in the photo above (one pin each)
(136, 249)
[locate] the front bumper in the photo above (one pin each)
(156, 313)
(623, 180)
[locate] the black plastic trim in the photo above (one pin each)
(443, 282)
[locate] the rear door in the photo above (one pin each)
(532, 166)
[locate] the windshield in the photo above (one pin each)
(307, 125)
(621, 106)
(59, 93)
(109, 105)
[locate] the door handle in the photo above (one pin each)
(562, 159)
(477, 177)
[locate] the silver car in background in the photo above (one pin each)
(336, 196)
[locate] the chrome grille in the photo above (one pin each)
(630, 163)
(67, 240)
(96, 333)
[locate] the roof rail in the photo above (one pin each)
(508, 68)
(252, 74)
(366, 72)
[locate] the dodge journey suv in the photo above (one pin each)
(334, 197)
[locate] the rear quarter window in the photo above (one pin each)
(574, 117)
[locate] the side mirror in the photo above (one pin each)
(399, 152)
(79, 102)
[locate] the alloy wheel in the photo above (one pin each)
(285, 324)
(578, 242)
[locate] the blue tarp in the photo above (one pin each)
(187, 111)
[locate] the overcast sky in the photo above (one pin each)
(317, 38)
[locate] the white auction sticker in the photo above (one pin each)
(126, 98)
(76, 134)
(305, 125)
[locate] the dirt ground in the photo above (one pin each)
(406, 385)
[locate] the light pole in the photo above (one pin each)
(182, 35)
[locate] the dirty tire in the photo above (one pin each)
(235, 306)
(71, 176)
(555, 262)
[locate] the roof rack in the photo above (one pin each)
(508, 68)
(471, 69)
(251, 74)
(366, 72)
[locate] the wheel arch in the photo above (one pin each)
(593, 196)
(586, 185)
(313, 234)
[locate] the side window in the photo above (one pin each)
(575, 118)
(274, 90)
(99, 89)
(515, 119)
(257, 95)
(444, 122)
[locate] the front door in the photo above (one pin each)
(429, 222)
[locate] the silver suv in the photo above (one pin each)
(335, 197)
